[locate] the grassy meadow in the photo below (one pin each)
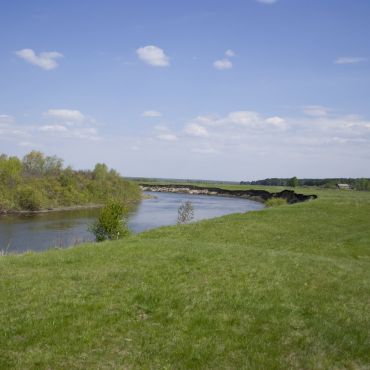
(287, 287)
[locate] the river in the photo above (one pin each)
(37, 232)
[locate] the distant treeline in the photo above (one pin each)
(354, 183)
(181, 181)
(38, 182)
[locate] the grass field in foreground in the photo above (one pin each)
(282, 288)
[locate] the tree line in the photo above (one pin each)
(37, 182)
(354, 183)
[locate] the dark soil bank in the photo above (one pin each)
(261, 195)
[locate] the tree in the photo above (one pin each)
(111, 224)
(293, 182)
(53, 165)
(362, 184)
(100, 171)
(33, 163)
(10, 170)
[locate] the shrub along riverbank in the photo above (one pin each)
(39, 182)
(286, 287)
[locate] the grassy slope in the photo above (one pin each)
(287, 287)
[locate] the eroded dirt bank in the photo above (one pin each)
(258, 195)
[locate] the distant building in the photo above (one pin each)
(344, 186)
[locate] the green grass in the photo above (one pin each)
(283, 288)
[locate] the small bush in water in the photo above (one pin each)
(185, 213)
(274, 202)
(111, 223)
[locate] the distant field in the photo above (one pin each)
(282, 288)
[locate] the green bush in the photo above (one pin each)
(274, 202)
(5, 203)
(111, 223)
(29, 199)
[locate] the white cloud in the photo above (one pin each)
(70, 115)
(239, 118)
(89, 133)
(193, 129)
(266, 1)
(28, 144)
(45, 60)
(53, 128)
(167, 137)
(5, 119)
(349, 60)
(153, 55)
(230, 53)
(207, 150)
(223, 64)
(241, 140)
(160, 127)
(251, 132)
(276, 121)
(316, 110)
(151, 113)
(209, 120)
(245, 118)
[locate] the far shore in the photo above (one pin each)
(253, 194)
(48, 210)
(62, 209)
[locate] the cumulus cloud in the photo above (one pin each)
(70, 115)
(89, 133)
(6, 119)
(53, 128)
(301, 132)
(207, 150)
(245, 118)
(28, 144)
(193, 129)
(230, 53)
(151, 113)
(45, 60)
(153, 55)
(167, 137)
(349, 60)
(223, 64)
(251, 131)
(235, 123)
(316, 110)
(60, 131)
(276, 121)
(160, 127)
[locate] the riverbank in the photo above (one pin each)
(49, 210)
(281, 288)
(68, 208)
(258, 195)
(39, 183)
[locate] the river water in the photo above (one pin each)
(37, 232)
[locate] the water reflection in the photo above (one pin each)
(41, 231)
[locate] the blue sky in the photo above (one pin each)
(239, 89)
